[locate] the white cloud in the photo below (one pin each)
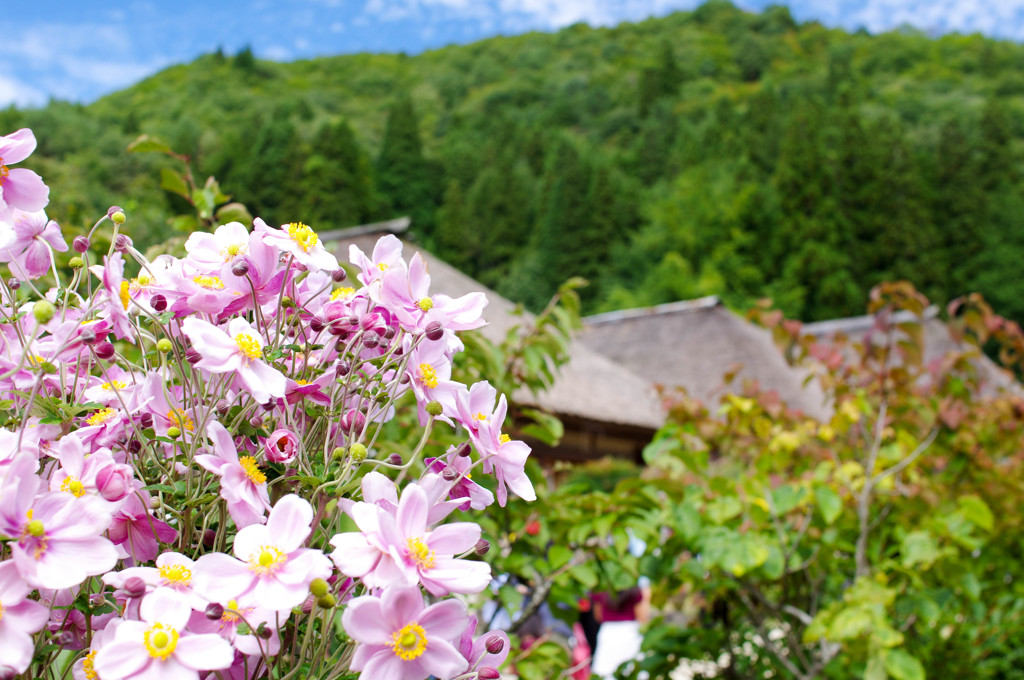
(20, 94)
(276, 53)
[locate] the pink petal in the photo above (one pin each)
(120, 659)
(454, 538)
(440, 658)
(446, 619)
(402, 605)
(165, 606)
(17, 146)
(412, 511)
(354, 556)
(363, 619)
(204, 652)
(25, 190)
(289, 522)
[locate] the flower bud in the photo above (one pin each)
(404, 379)
(43, 311)
(158, 302)
(193, 356)
(434, 331)
(395, 459)
(134, 446)
(114, 482)
(488, 672)
(450, 474)
(434, 408)
(155, 503)
(80, 243)
(287, 302)
(163, 345)
(97, 600)
(463, 449)
(173, 432)
(339, 275)
(63, 638)
(494, 645)
(263, 631)
(122, 243)
(104, 350)
(326, 602)
(370, 340)
(269, 406)
(135, 587)
(209, 537)
(318, 587)
(317, 325)
(214, 611)
(222, 407)
(341, 370)
(76, 263)
(240, 268)
(87, 336)
(145, 420)
(116, 214)
(389, 333)
(358, 452)
(13, 284)
(282, 446)
(256, 421)
(481, 548)
(353, 420)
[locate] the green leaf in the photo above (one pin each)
(233, 212)
(559, 556)
(850, 623)
(545, 427)
(919, 548)
(829, 503)
(786, 498)
(875, 669)
(144, 143)
(723, 509)
(585, 574)
(173, 181)
(902, 666)
(977, 512)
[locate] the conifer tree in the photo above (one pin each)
(403, 174)
(337, 179)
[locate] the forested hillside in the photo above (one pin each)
(712, 151)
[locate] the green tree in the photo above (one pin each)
(337, 179)
(403, 174)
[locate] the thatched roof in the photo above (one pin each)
(938, 343)
(590, 387)
(693, 345)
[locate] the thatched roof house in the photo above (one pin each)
(693, 345)
(606, 409)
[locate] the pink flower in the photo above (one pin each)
(21, 617)
(400, 639)
(111, 274)
(476, 652)
(20, 188)
(282, 446)
(159, 647)
(398, 549)
(136, 531)
(271, 564)
(209, 252)
(32, 240)
(242, 484)
(301, 242)
(386, 261)
(239, 351)
(476, 496)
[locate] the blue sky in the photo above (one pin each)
(84, 49)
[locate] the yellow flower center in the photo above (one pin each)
(254, 474)
(4, 172)
(181, 420)
(33, 537)
(342, 293)
(303, 235)
(504, 439)
(410, 641)
(249, 345)
(480, 416)
(208, 282)
(160, 641)
(428, 376)
(419, 553)
(267, 560)
(72, 486)
(426, 304)
(101, 416)
(139, 283)
(230, 613)
(233, 250)
(125, 298)
(176, 575)
(87, 668)
(113, 386)
(383, 266)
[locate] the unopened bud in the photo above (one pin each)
(134, 446)
(97, 600)
(488, 672)
(214, 611)
(87, 336)
(338, 453)
(269, 406)
(43, 311)
(287, 302)
(370, 340)
(434, 408)
(13, 284)
(339, 275)
(155, 503)
(173, 432)
(135, 587)
(395, 459)
(463, 449)
(434, 331)
(193, 356)
(80, 244)
(256, 421)
(389, 333)
(222, 407)
(145, 420)
(104, 350)
(494, 645)
(116, 214)
(158, 302)
(341, 370)
(358, 452)
(164, 345)
(64, 638)
(240, 268)
(263, 631)
(76, 263)
(122, 243)
(319, 587)
(209, 537)
(326, 602)
(404, 379)
(317, 325)
(481, 548)
(450, 474)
